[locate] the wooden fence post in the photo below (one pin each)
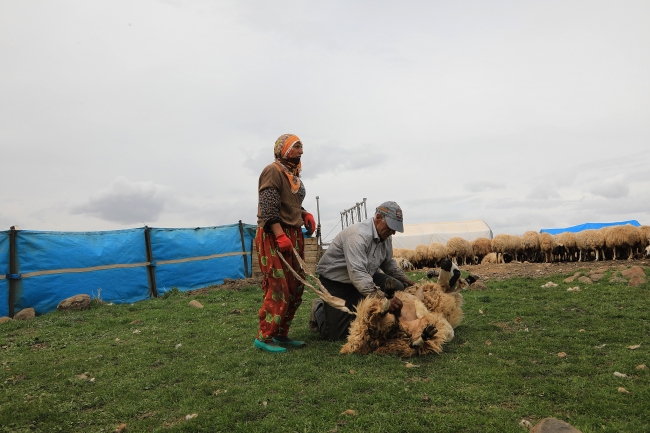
(243, 249)
(151, 267)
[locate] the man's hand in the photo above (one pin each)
(395, 305)
(284, 243)
(310, 223)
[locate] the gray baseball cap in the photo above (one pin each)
(393, 215)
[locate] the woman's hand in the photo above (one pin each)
(310, 223)
(284, 243)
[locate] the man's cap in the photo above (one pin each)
(393, 215)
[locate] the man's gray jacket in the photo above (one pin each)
(356, 254)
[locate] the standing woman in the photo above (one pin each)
(279, 218)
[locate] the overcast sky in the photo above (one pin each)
(525, 114)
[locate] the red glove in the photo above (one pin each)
(284, 243)
(310, 223)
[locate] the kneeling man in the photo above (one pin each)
(352, 266)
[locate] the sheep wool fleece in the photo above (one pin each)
(282, 291)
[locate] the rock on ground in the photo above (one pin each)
(196, 304)
(25, 314)
(5, 319)
(76, 302)
(553, 425)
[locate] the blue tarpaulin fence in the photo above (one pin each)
(588, 226)
(120, 266)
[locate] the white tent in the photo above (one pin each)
(427, 233)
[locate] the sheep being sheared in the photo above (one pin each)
(429, 313)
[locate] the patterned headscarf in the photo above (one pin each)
(281, 150)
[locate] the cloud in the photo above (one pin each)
(125, 202)
(323, 159)
(543, 192)
(480, 186)
(616, 187)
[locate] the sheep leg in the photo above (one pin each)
(427, 334)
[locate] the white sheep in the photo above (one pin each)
(588, 241)
(459, 249)
(568, 242)
(625, 239)
(481, 247)
(547, 246)
(530, 245)
(437, 252)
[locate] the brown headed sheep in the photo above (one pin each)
(530, 245)
(458, 250)
(481, 247)
(547, 245)
(437, 252)
(416, 330)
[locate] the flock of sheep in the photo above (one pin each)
(608, 243)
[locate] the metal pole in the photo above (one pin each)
(243, 248)
(13, 270)
(342, 221)
(151, 267)
(318, 239)
(365, 207)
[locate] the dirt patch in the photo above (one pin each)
(506, 271)
(487, 272)
(228, 284)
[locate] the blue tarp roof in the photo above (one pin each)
(587, 226)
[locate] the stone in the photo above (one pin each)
(553, 425)
(634, 271)
(25, 314)
(5, 319)
(570, 279)
(196, 304)
(595, 277)
(636, 281)
(585, 280)
(76, 302)
(618, 280)
(478, 285)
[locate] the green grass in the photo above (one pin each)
(89, 372)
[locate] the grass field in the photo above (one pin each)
(150, 364)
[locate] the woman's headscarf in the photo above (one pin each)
(281, 150)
